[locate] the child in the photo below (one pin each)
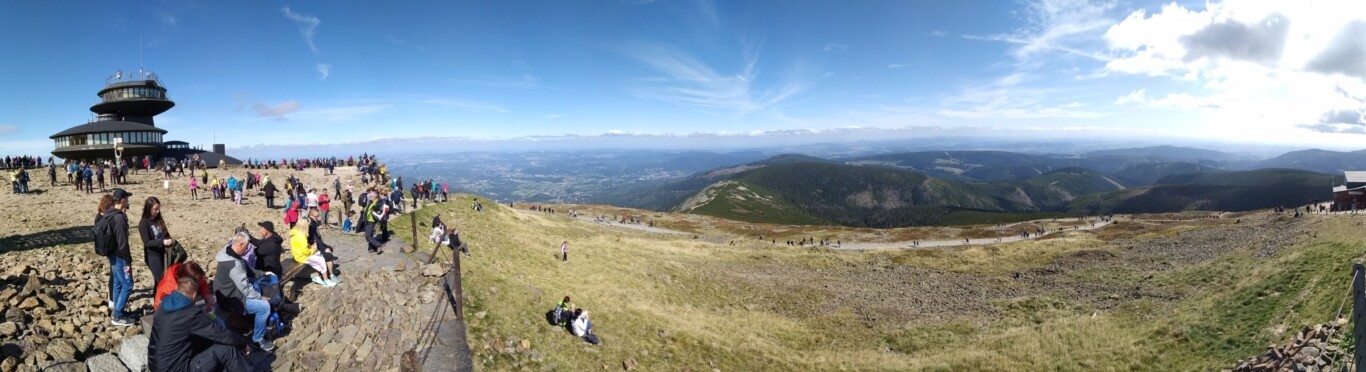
(346, 225)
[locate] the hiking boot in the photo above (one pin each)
(265, 345)
(123, 322)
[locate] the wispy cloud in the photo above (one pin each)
(1067, 26)
(324, 70)
(832, 47)
(308, 26)
(554, 116)
(278, 111)
(8, 129)
(465, 104)
(400, 42)
(899, 65)
(686, 80)
(939, 33)
(340, 113)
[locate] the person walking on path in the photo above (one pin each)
(155, 237)
(269, 190)
(371, 217)
(564, 251)
(120, 271)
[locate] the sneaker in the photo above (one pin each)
(317, 279)
(122, 322)
(111, 303)
(265, 345)
(329, 283)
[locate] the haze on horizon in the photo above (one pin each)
(616, 73)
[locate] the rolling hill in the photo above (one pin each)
(1166, 152)
(1222, 191)
(1316, 160)
(1147, 174)
(825, 193)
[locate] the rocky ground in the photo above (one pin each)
(53, 288)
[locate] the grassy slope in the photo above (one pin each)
(742, 201)
(716, 310)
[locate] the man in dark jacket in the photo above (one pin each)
(185, 339)
(268, 249)
(233, 285)
(120, 270)
(269, 189)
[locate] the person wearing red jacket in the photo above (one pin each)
(324, 205)
(169, 284)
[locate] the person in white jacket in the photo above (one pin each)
(583, 327)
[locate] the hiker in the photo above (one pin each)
(269, 189)
(452, 240)
(583, 327)
(305, 253)
(171, 283)
(120, 271)
(233, 285)
(106, 201)
(564, 251)
(368, 218)
(268, 249)
(155, 237)
(194, 189)
(291, 212)
(314, 238)
(564, 312)
(184, 338)
(325, 205)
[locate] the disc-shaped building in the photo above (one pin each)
(126, 110)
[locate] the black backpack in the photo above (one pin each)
(105, 240)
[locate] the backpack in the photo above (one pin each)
(105, 241)
(176, 254)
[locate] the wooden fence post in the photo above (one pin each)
(1359, 314)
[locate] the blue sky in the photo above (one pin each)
(262, 73)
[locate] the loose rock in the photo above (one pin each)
(133, 352)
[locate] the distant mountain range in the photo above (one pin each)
(936, 187)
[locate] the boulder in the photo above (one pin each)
(61, 350)
(433, 269)
(31, 285)
(428, 296)
(64, 365)
(105, 363)
(133, 352)
(28, 304)
(8, 329)
(50, 303)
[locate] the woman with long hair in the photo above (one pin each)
(155, 237)
(106, 202)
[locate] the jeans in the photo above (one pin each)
(261, 309)
(123, 283)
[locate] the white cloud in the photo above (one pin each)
(323, 70)
(8, 129)
(1066, 26)
(169, 19)
(939, 33)
(899, 65)
(832, 46)
(1346, 54)
(277, 111)
(308, 26)
(1257, 69)
(1137, 96)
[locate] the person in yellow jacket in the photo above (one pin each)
(305, 254)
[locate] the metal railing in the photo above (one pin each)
(140, 75)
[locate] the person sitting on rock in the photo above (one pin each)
(583, 327)
(184, 338)
(171, 283)
(233, 285)
(268, 249)
(308, 254)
